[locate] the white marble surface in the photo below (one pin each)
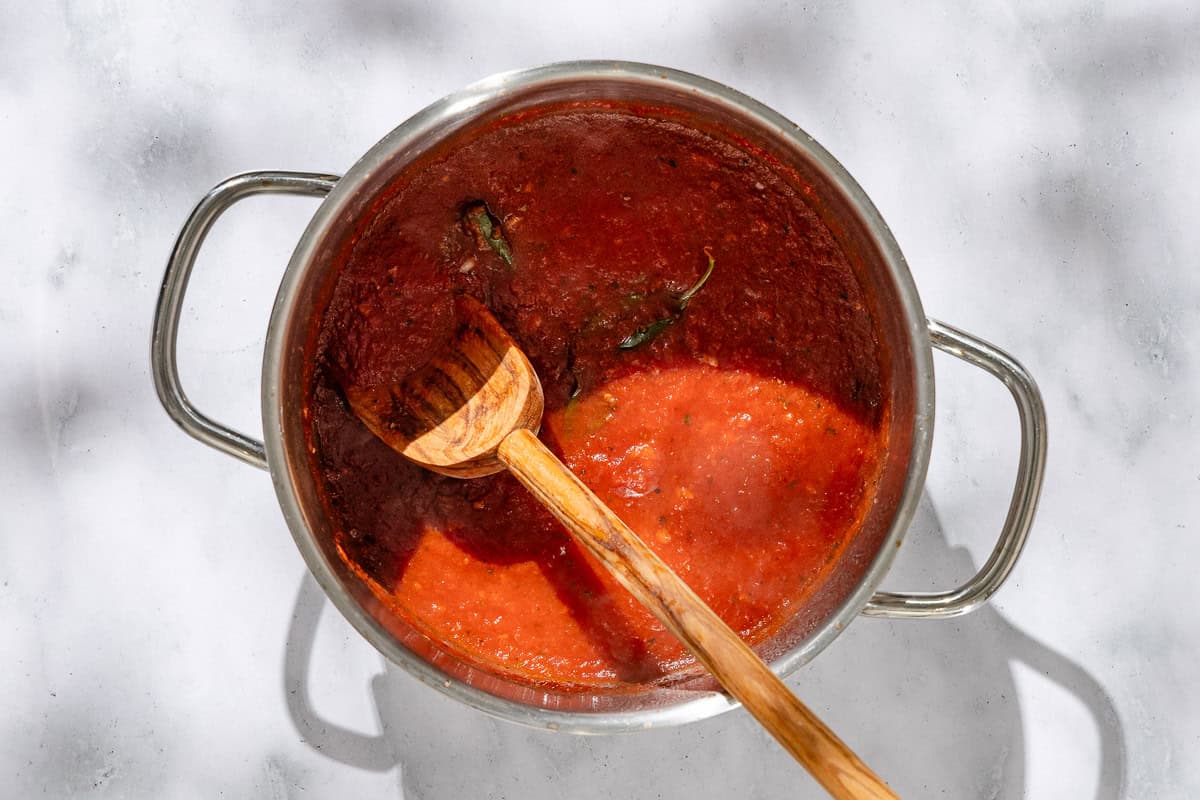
(158, 633)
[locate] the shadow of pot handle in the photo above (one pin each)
(1031, 468)
(334, 741)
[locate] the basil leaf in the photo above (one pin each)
(678, 305)
(643, 335)
(488, 228)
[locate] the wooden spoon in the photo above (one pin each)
(474, 410)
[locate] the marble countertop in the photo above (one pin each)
(160, 636)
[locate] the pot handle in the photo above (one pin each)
(170, 302)
(1031, 468)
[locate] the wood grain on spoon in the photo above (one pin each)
(452, 415)
(475, 410)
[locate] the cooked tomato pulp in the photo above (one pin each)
(738, 429)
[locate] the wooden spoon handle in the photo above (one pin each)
(686, 616)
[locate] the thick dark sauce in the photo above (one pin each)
(742, 441)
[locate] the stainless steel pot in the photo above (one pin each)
(844, 207)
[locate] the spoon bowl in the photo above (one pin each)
(451, 415)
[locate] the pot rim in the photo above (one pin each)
(333, 211)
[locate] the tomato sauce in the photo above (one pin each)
(740, 435)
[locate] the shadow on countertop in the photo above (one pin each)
(930, 705)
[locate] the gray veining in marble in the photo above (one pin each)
(1038, 164)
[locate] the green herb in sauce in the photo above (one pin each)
(646, 334)
(679, 304)
(488, 228)
(687, 296)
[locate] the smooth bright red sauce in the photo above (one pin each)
(743, 443)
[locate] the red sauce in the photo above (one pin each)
(743, 441)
